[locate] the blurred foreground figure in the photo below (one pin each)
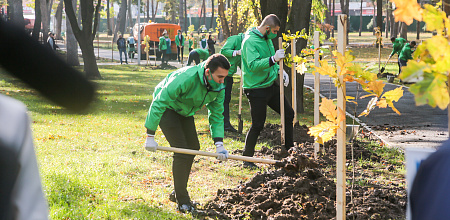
(21, 195)
(430, 193)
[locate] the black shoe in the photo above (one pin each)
(230, 129)
(250, 165)
(172, 197)
(187, 208)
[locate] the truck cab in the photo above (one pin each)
(155, 31)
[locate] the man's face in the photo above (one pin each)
(273, 29)
(218, 76)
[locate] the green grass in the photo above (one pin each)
(93, 166)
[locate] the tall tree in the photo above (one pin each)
(380, 16)
(212, 14)
(129, 22)
(154, 10)
(223, 18)
(297, 22)
(181, 14)
(58, 17)
(360, 18)
(147, 5)
(204, 13)
(403, 30)
(418, 26)
(121, 19)
(15, 12)
(108, 18)
(278, 7)
(46, 7)
(71, 42)
(37, 20)
(86, 35)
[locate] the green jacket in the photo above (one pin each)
(406, 53)
(178, 42)
(397, 46)
(162, 43)
(233, 43)
(256, 52)
(203, 53)
(185, 92)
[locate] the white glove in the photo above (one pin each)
(279, 54)
(150, 143)
(285, 78)
(390, 56)
(236, 52)
(220, 149)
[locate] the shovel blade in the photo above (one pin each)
(382, 69)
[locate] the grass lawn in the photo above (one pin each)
(93, 166)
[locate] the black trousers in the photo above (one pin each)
(226, 102)
(402, 64)
(180, 132)
(193, 56)
(163, 56)
(180, 53)
(259, 99)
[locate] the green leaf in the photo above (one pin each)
(413, 70)
(433, 18)
(432, 90)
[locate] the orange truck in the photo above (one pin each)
(155, 31)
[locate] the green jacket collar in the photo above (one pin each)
(256, 31)
(204, 81)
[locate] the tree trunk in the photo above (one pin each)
(15, 13)
(374, 21)
(391, 20)
(181, 14)
(154, 11)
(212, 14)
(204, 12)
(278, 7)
(37, 22)
(108, 19)
(86, 35)
(360, 19)
(71, 41)
(418, 26)
(121, 19)
(256, 11)
(380, 15)
(388, 21)
(46, 6)
(130, 19)
(332, 19)
(58, 16)
(148, 10)
(297, 22)
(446, 6)
(234, 17)
(404, 31)
(223, 19)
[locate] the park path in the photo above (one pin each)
(417, 126)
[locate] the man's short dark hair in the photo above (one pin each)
(215, 61)
(413, 43)
(392, 39)
(271, 20)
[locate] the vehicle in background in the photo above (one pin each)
(155, 31)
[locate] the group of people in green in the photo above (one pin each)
(165, 44)
(185, 91)
(403, 50)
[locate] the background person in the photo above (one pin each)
(122, 46)
(197, 55)
(131, 47)
(175, 101)
(397, 46)
(179, 41)
(211, 42)
(406, 54)
(203, 43)
(163, 47)
(51, 41)
(191, 43)
(232, 51)
(260, 74)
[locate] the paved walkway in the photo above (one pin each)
(417, 126)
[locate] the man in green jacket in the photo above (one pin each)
(260, 73)
(197, 55)
(406, 54)
(179, 40)
(232, 51)
(163, 47)
(397, 46)
(175, 101)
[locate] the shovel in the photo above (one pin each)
(384, 67)
(210, 154)
(241, 123)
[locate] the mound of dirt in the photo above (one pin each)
(309, 191)
(164, 67)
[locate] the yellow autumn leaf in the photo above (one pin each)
(328, 109)
(375, 87)
(341, 116)
(393, 95)
(407, 10)
(325, 69)
(370, 106)
(301, 68)
(382, 103)
(434, 18)
(323, 132)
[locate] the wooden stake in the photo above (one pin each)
(154, 50)
(316, 88)
(294, 81)
(280, 72)
(340, 160)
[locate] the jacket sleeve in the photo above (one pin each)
(254, 60)
(394, 49)
(161, 101)
(215, 116)
(228, 49)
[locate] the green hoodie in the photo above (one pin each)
(256, 52)
(406, 52)
(202, 53)
(233, 43)
(162, 43)
(397, 46)
(185, 92)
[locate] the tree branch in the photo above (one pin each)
(72, 18)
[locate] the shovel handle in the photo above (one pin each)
(210, 154)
